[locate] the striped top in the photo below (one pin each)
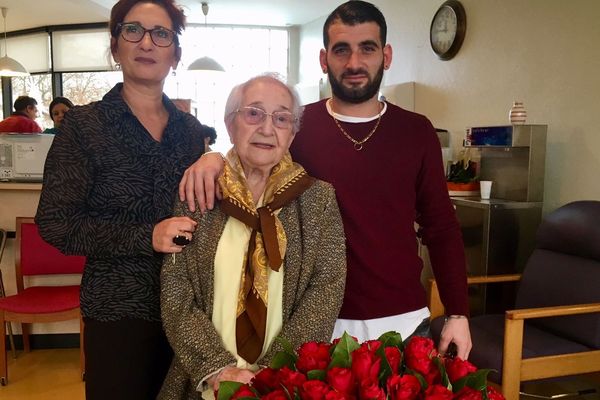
(107, 182)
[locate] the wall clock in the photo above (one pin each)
(447, 30)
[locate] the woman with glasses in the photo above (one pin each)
(109, 187)
(267, 261)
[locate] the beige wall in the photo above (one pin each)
(545, 53)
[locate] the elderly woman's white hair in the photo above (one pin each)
(234, 101)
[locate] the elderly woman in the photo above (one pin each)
(109, 185)
(269, 260)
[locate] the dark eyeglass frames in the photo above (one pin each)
(255, 116)
(134, 32)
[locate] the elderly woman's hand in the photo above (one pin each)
(167, 229)
(232, 374)
(199, 182)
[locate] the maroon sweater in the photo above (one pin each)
(396, 180)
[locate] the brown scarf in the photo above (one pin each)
(266, 247)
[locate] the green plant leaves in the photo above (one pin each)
(341, 355)
(476, 380)
(227, 389)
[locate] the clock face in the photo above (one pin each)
(448, 28)
(443, 30)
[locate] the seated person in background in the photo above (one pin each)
(57, 110)
(23, 119)
(268, 261)
(210, 136)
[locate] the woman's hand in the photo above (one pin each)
(167, 229)
(232, 374)
(199, 182)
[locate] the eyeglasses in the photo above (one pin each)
(255, 116)
(134, 32)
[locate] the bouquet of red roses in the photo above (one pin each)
(382, 369)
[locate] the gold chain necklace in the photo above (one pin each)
(358, 144)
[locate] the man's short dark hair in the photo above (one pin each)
(356, 12)
(22, 102)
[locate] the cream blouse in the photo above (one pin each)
(229, 258)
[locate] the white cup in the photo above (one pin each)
(485, 187)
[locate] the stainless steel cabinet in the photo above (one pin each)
(499, 237)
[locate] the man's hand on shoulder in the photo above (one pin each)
(199, 182)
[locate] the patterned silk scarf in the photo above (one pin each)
(267, 244)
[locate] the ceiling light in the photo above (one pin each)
(205, 63)
(10, 66)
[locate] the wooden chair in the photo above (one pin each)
(39, 304)
(555, 329)
(3, 292)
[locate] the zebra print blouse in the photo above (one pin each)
(107, 182)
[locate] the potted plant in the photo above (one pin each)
(462, 177)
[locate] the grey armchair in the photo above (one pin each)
(555, 329)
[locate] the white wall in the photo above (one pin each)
(545, 53)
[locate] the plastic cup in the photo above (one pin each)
(485, 188)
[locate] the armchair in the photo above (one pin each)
(31, 304)
(3, 293)
(555, 329)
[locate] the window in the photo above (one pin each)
(81, 50)
(85, 87)
(242, 51)
(80, 88)
(39, 87)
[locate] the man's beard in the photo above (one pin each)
(356, 94)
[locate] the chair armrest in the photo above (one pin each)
(556, 311)
(436, 307)
(476, 280)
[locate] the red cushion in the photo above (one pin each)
(40, 258)
(42, 300)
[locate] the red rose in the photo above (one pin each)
(467, 393)
(243, 391)
(333, 395)
(292, 380)
(394, 357)
(405, 387)
(275, 395)
(365, 364)
(438, 392)
(370, 390)
(418, 355)
(493, 394)
(314, 390)
(458, 368)
(342, 380)
(434, 377)
(312, 355)
(372, 345)
(265, 380)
